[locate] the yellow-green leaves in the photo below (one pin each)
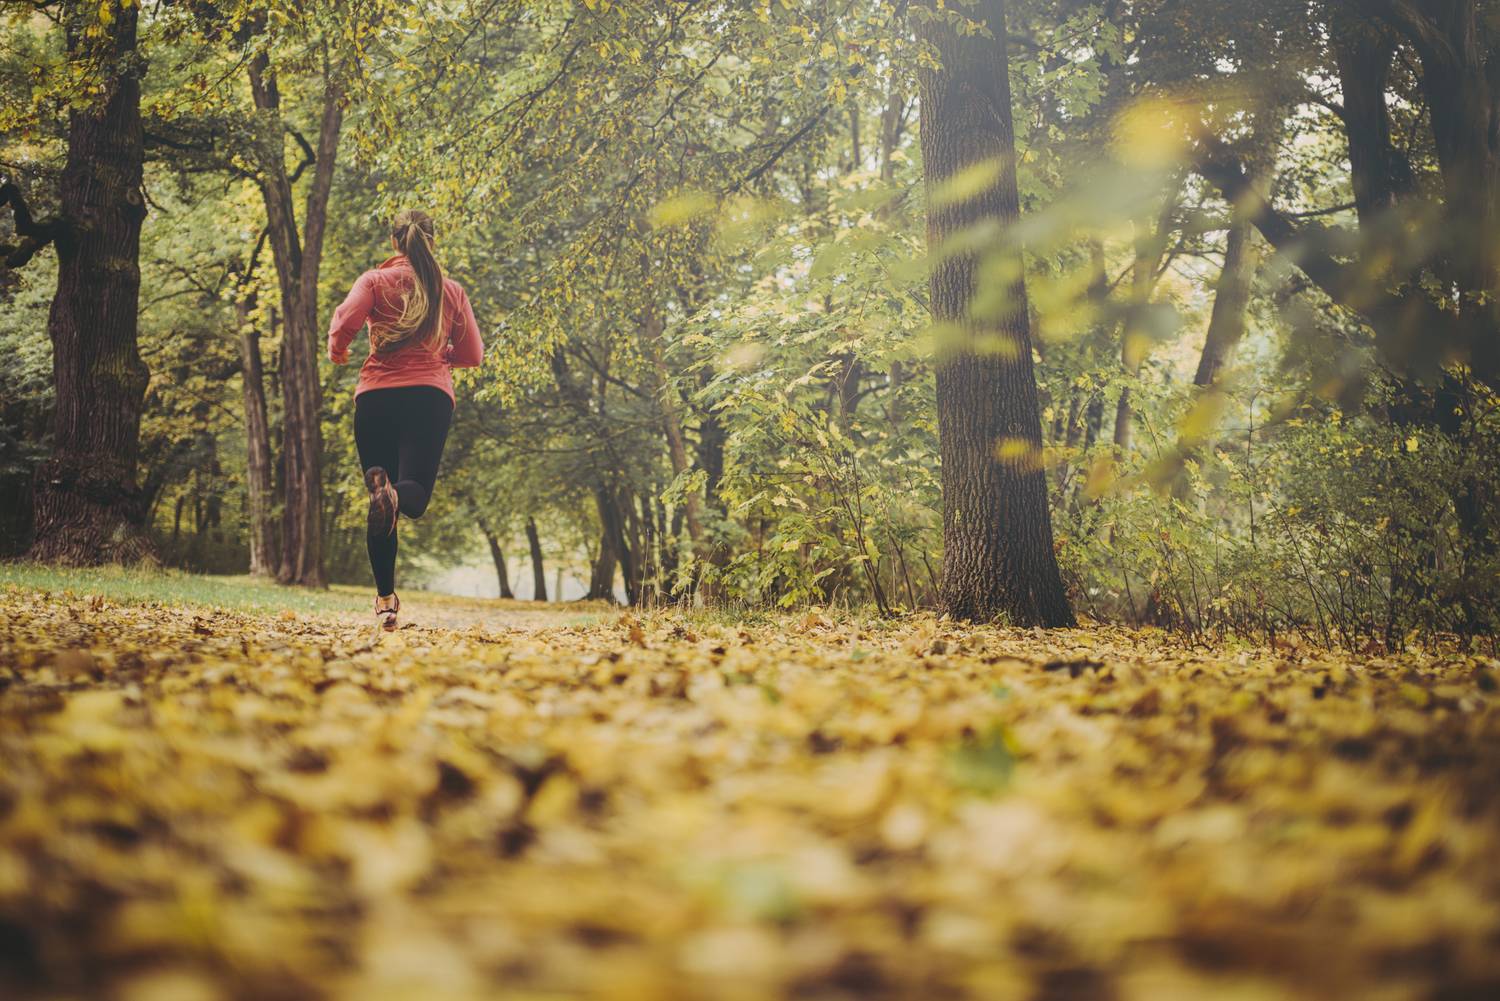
(681, 208)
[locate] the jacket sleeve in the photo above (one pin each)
(467, 348)
(349, 318)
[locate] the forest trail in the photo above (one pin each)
(520, 802)
(425, 611)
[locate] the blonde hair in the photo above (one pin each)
(421, 318)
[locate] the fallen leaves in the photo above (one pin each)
(198, 803)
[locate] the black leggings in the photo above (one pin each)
(402, 430)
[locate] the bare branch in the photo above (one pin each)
(31, 234)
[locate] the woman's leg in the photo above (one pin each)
(377, 428)
(425, 416)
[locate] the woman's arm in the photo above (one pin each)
(349, 317)
(465, 347)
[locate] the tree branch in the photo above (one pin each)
(791, 141)
(308, 156)
(1415, 25)
(32, 234)
(1398, 318)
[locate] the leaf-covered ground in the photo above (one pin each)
(201, 803)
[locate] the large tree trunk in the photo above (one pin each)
(264, 559)
(1380, 175)
(998, 557)
(1459, 48)
(298, 259)
(87, 506)
(538, 573)
(1382, 180)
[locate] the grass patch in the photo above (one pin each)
(173, 587)
(142, 585)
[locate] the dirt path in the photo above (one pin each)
(521, 802)
(420, 610)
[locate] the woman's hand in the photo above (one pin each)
(338, 357)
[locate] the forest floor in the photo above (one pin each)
(214, 789)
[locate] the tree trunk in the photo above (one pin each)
(1226, 326)
(298, 259)
(502, 573)
(88, 509)
(671, 419)
(264, 559)
(632, 547)
(1378, 173)
(998, 557)
(1461, 88)
(649, 561)
(892, 119)
(710, 451)
(602, 578)
(1135, 341)
(1415, 331)
(538, 573)
(614, 549)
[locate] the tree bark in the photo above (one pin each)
(1378, 173)
(602, 575)
(502, 573)
(1452, 38)
(298, 259)
(1226, 325)
(614, 549)
(538, 573)
(264, 559)
(88, 509)
(998, 557)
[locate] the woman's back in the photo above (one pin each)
(379, 299)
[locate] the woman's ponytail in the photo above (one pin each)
(421, 318)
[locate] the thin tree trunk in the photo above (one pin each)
(649, 561)
(614, 549)
(88, 509)
(631, 547)
(1226, 326)
(264, 558)
(602, 579)
(502, 572)
(538, 573)
(1135, 341)
(998, 557)
(671, 419)
(298, 259)
(892, 120)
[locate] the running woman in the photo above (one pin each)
(421, 327)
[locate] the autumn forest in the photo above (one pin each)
(940, 499)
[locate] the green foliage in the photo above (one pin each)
(1337, 528)
(695, 239)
